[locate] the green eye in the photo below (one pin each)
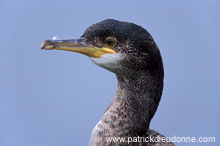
(110, 42)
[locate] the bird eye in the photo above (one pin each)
(110, 42)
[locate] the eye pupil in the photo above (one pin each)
(110, 42)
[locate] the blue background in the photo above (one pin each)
(55, 98)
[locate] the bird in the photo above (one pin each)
(130, 52)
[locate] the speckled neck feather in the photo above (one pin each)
(131, 110)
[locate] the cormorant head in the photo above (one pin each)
(121, 47)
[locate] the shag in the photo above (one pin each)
(129, 51)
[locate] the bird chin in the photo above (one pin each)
(110, 62)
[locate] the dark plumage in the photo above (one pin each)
(137, 63)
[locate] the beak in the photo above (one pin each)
(76, 45)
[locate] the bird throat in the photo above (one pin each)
(131, 110)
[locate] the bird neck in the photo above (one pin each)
(136, 100)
